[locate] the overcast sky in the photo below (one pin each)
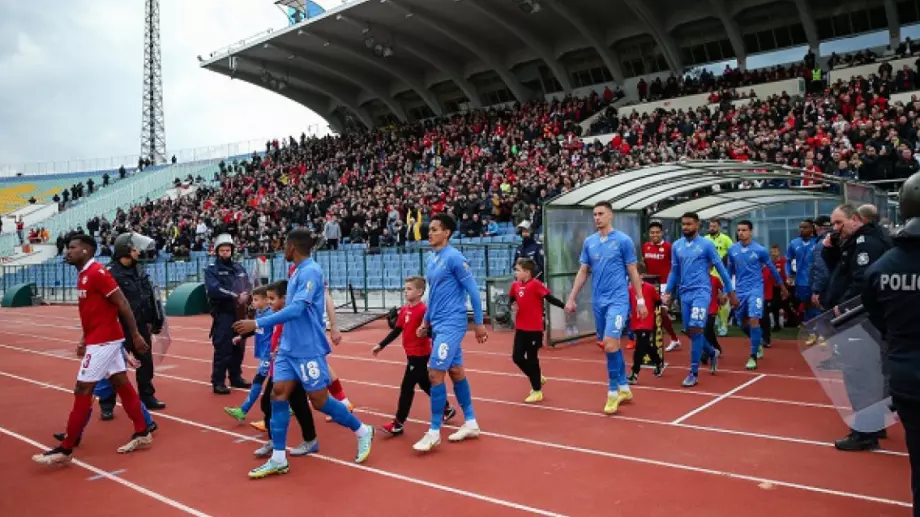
(71, 78)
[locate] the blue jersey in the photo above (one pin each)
(691, 261)
(608, 258)
(746, 264)
(304, 332)
(450, 281)
(800, 251)
(263, 345)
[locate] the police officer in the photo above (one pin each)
(849, 251)
(228, 287)
(530, 249)
(133, 281)
(892, 299)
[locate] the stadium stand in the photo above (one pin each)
(369, 193)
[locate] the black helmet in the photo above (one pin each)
(909, 198)
(125, 242)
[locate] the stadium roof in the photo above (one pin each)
(640, 188)
(374, 61)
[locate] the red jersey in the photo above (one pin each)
(716, 287)
(529, 297)
(768, 284)
(657, 259)
(276, 340)
(651, 299)
(98, 315)
(409, 320)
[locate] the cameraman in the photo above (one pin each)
(849, 250)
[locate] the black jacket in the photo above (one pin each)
(849, 262)
(892, 298)
(137, 288)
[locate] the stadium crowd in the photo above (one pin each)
(499, 165)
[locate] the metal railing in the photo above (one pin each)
(375, 277)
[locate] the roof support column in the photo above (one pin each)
(894, 26)
(808, 23)
(592, 36)
(733, 32)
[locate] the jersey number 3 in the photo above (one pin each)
(86, 361)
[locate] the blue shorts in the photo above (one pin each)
(103, 389)
(803, 293)
(694, 309)
(610, 320)
(312, 372)
(445, 349)
(750, 305)
(264, 367)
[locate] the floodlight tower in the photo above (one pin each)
(153, 130)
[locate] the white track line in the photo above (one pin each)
(546, 356)
(99, 473)
(747, 434)
(242, 437)
(716, 400)
(514, 404)
(538, 443)
(684, 391)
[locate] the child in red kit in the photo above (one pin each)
(418, 351)
(644, 328)
(528, 293)
(718, 300)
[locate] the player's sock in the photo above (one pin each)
(438, 399)
(79, 416)
(148, 420)
(622, 377)
(756, 340)
(132, 404)
(464, 398)
(340, 414)
(254, 392)
(613, 369)
(281, 418)
(336, 390)
(697, 343)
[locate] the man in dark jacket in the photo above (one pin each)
(227, 285)
(892, 299)
(133, 281)
(818, 274)
(849, 250)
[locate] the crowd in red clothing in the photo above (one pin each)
(381, 186)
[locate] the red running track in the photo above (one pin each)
(741, 443)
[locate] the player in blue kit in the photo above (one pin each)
(301, 355)
(746, 260)
(262, 351)
(610, 256)
(801, 251)
(692, 257)
(450, 282)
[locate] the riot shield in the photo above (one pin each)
(845, 353)
(159, 345)
(499, 304)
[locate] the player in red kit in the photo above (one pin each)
(656, 255)
(528, 293)
(418, 352)
(645, 332)
(101, 306)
